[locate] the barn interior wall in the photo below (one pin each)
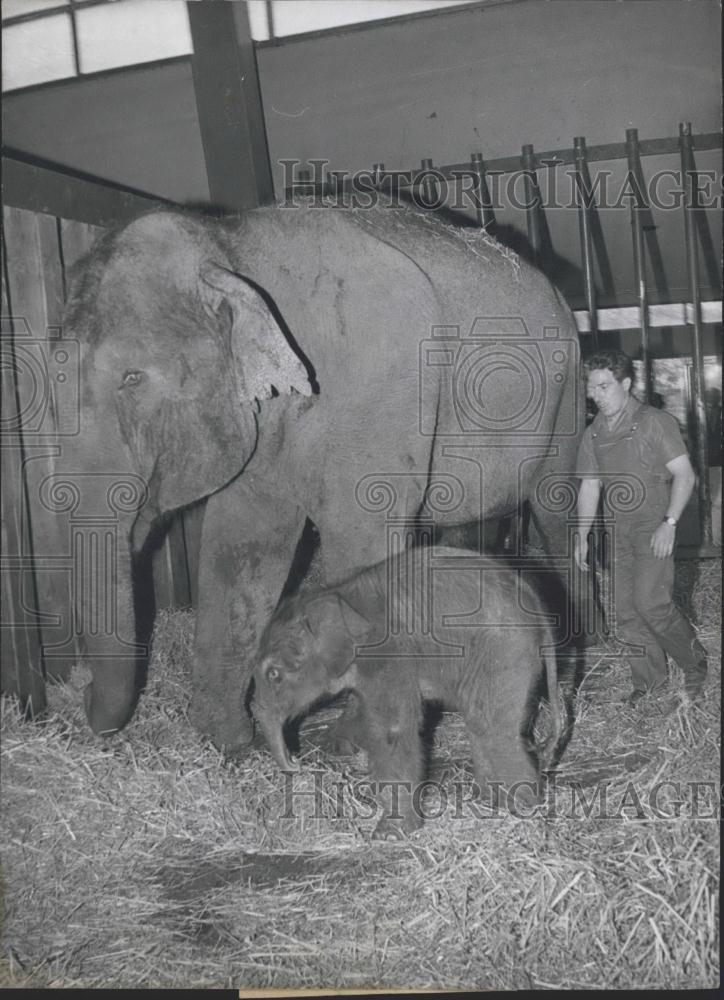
(138, 127)
(492, 78)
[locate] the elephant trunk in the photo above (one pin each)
(273, 730)
(105, 609)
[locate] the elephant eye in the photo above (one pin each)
(273, 674)
(131, 379)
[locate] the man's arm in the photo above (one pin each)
(588, 495)
(682, 485)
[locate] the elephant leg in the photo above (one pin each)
(344, 550)
(247, 546)
(111, 697)
(393, 715)
(571, 593)
(348, 733)
(503, 765)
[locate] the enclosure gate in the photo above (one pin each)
(424, 185)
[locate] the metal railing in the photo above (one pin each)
(643, 316)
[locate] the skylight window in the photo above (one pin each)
(46, 40)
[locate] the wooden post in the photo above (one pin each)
(689, 181)
(45, 372)
(21, 669)
(228, 99)
(583, 189)
(639, 256)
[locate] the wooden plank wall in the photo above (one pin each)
(37, 414)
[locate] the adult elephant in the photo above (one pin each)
(357, 368)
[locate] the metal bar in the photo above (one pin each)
(660, 315)
(563, 157)
(639, 256)
(269, 8)
(38, 15)
(583, 186)
(76, 47)
(532, 200)
(689, 178)
(610, 151)
(428, 186)
(708, 252)
(483, 205)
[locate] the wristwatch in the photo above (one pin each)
(671, 520)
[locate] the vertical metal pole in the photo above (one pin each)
(583, 190)
(689, 183)
(429, 186)
(532, 200)
(269, 6)
(639, 257)
(484, 206)
(76, 47)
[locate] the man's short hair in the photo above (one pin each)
(620, 364)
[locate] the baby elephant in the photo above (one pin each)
(431, 624)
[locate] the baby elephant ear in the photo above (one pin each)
(262, 354)
(355, 623)
(337, 627)
(330, 614)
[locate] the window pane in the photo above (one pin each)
(294, 16)
(131, 31)
(36, 51)
(256, 9)
(13, 8)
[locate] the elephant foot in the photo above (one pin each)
(346, 736)
(101, 721)
(396, 829)
(340, 745)
(226, 726)
(110, 698)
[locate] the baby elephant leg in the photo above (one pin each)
(393, 719)
(504, 768)
(347, 734)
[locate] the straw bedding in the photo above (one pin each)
(150, 860)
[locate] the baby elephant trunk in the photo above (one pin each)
(273, 730)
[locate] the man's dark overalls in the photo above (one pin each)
(646, 616)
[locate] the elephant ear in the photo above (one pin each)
(337, 627)
(262, 354)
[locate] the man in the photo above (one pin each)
(636, 453)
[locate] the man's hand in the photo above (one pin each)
(588, 494)
(580, 552)
(662, 540)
